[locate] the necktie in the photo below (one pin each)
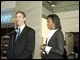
(15, 44)
(18, 34)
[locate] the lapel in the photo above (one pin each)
(14, 36)
(23, 33)
(52, 37)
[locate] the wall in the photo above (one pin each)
(69, 43)
(8, 4)
(69, 21)
(45, 12)
(45, 30)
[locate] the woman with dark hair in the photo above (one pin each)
(54, 47)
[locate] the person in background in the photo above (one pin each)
(54, 47)
(65, 52)
(76, 50)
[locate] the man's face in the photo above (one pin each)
(19, 19)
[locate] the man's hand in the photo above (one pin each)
(42, 47)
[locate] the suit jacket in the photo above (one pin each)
(57, 44)
(24, 44)
(65, 54)
(76, 49)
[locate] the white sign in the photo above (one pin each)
(5, 18)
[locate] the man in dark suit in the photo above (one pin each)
(23, 43)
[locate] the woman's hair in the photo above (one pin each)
(24, 15)
(56, 20)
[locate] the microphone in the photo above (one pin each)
(13, 32)
(17, 30)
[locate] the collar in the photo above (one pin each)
(51, 32)
(22, 27)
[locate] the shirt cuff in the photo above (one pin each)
(43, 52)
(47, 49)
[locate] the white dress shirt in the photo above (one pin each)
(50, 34)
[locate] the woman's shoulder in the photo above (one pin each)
(59, 31)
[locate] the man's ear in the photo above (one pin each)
(24, 19)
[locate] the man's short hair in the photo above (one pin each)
(24, 15)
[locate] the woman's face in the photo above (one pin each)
(50, 23)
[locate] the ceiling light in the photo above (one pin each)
(50, 1)
(53, 5)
